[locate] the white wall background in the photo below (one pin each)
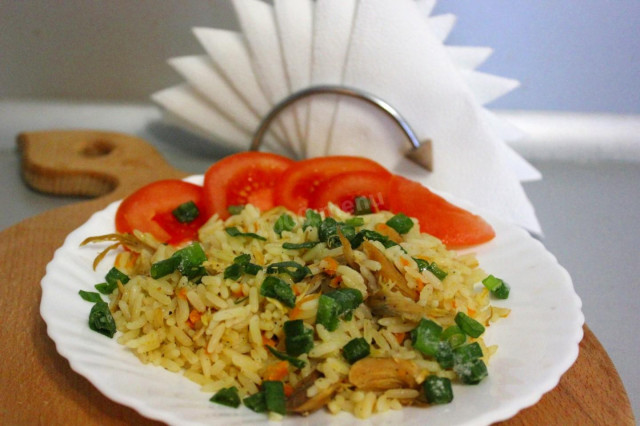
(577, 55)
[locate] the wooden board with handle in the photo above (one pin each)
(37, 385)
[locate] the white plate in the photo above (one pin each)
(538, 342)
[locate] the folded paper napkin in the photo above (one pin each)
(393, 49)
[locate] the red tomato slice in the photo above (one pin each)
(150, 208)
(296, 187)
(453, 225)
(244, 178)
(343, 189)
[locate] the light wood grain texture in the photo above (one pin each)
(37, 386)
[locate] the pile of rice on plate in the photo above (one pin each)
(228, 334)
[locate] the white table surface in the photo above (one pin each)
(588, 201)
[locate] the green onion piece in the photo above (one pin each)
(362, 205)
(227, 396)
(278, 289)
(498, 287)
(327, 314)
(164, 267)
(468, 325)
(431, 267)
(274, 396)
(284, 223)
(328, 232)
(444, 355)
(233, 271)
(312, 219)
(298, 363)
(191, 259)
(426, 337)
(101, 320)
(296, 246)
(252, 268)
(114, 275)
(233, 210)
(242, 259)
(401, 223)
(298, 339)
(295, 270)
(367, 234)
(356, 349)
(437, 390)
(354, 222)
(454, 336)
(235, 232)
(256, 402)
(348, 299)
(327, 228)
(105, 288)
(471, 372)
(466, 353)
(90, 296)
(186, 212)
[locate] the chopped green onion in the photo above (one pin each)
(328, 232)
(312, 219)
(233, 210)
(296, 246)
(354, 222)
(426, 337)
(105, 288)
(431, 267)
(327, 314)
(227, 396)
(235, 232)
(274, 396)
(437, 390)
(454, 336)
(348, 299)
(295, 270)
(467, 353)
(113, 276)
(298, 339)
(298, 363)
(101, 320)
(278, 289)
(498, 287)
(368, 234)
(186, 212)
(90, 296)
(191, 259)
(468, 325)
(242, 258)
(256, 402)
(401, 223)
(444, 355)
(362, 205)
(164, 267)
(471, 372)
(356, 349)
(284, 223)
(252, 268)
(233, 271)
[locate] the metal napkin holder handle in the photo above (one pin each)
(420, 152)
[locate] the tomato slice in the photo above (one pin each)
(343, 189)
(297, 186)
(453, 225)
(150, 208)
(244, 178)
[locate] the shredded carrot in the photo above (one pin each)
(182, 293)
(404, 261)
(277, 371)
(400, 337)
(296, 289)
(471, 312)
(194, 316)
(288, 390)
(420, 286)
(454, 304)
(332, 265)
(295, 312)
(238, 293)
(335, 281)
(268, 342)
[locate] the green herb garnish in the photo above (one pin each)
(101, 320)
(284, 223)
(186, 212)
(227, 396)
(278, 289)
(401, 223)
(235, 232)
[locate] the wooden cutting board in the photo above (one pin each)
(37, 385)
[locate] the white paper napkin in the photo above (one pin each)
(393, 49)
